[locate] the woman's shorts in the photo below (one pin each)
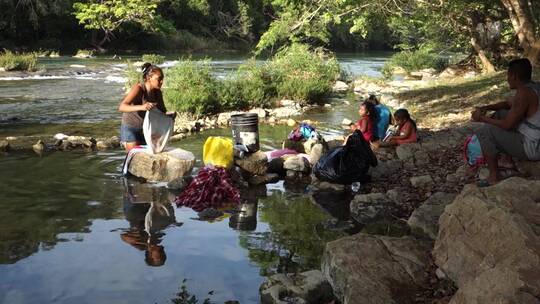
(130, 134)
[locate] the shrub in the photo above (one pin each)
(303, 74)
(191, 87)
(413, 61)
(11, 61)
(132, 75)
(153, 58)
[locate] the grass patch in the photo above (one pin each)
(11, 61)
(414, 61)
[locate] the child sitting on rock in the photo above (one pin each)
(406, 130)
(366, 124)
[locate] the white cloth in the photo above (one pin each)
(129, 157)
(157, 129)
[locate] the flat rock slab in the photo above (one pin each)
(489, 243)
(162, 167)
(375, 269)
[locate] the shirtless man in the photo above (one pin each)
(515, 133)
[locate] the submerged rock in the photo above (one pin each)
(425, 219)
(165, 166)
(368, 208)
(209, 214)
(180, 183)
(376, 269)
(489, 243)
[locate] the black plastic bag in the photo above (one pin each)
(347, 164)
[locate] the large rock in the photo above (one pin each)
(296, 163)
(285, 112)
(368, 208)
(489, 243)
(306, 287)
(255, 163)
(340, 86)
(4, 145)
(375, 269)
(165, 166)
(385, 169)
(407, 151)
(425, 219)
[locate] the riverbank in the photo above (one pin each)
(456, 232)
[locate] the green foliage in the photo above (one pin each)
(251, 86)
(191, 87)
(11, 61)
(85, 53)
(132, 74)
(153, 58)
(303, 74)
(414, 61)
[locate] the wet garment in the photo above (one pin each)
(412, 138)
(530, 129)
(369, 133)
(211, 188)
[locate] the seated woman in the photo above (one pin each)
(384, 117)
(406, 132)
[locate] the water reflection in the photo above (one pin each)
(246, 217)
(149, 211)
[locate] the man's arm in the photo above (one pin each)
(517, 112)
(503, 105)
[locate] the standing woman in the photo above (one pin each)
(141, 97)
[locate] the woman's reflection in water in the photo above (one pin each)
(148, 211)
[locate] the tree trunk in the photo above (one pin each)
(523, 22)
(486, 63)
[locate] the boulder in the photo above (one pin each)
(306, 287)
(296, 163)
(368, 208)
(423, 182)
(425, 219)
(262, 113)
(285, 112)
(407, 151)
(489, 243)
(109, 143)
(165, 166)
(375, 269)
(323, 185)
(340, 86)
(39, 146)
(255, 163)
(385, 169)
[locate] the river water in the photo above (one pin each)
(71, 226)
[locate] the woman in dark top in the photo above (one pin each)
(141, 97)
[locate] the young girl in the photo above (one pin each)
(368, 117)
(406, 129)
(141, 97)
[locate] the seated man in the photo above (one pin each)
(517, 133)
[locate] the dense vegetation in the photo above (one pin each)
(297, 72)
(491, 31)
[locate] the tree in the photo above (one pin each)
(109, 15)
(525, 19)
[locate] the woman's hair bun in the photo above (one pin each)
(146, 67)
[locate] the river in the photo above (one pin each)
(71, 224)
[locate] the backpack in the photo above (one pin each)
(472, 152)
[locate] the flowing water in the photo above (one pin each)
(71, 228)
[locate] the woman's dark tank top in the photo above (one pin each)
(135, 119)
